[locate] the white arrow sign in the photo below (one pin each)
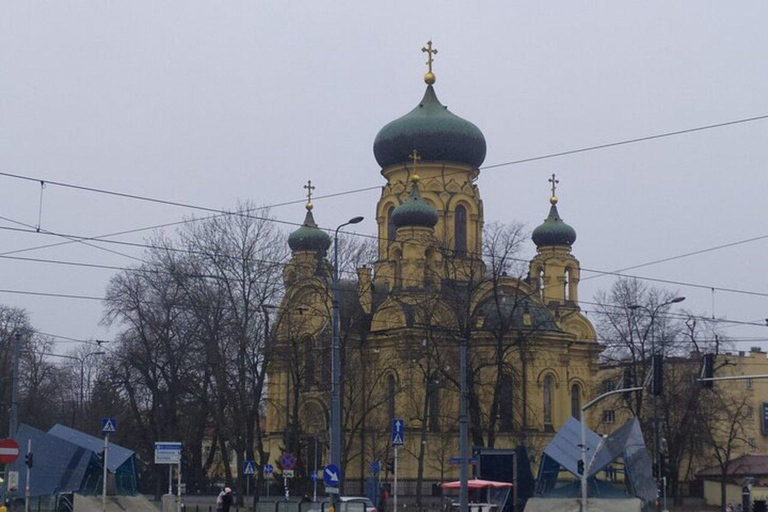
(332, 475)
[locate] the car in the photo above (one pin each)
(369, 507)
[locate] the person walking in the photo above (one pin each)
(226, 502)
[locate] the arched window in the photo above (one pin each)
(391, 391)
(506, 419)
(548, 391)
(397, 257)
(460, 231)
(567, 285)
(309, 363)
(576, 401)
(540, 281)
(433, 399)
(391, 229)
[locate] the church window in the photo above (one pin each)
(398, 262)
(506, 419)
(576, 401)
(391, 391)
(391, 229)
(567, 284)
(309, 363)
(609, 416)
(433, 398)
(460, 231)
(548, 392)
(540, 281)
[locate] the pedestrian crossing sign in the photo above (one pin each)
(108, 426)
(249, 467)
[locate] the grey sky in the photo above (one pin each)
(211, 102)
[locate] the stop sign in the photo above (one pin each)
(9, 451)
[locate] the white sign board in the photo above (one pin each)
(288, 473)
(13, 481)
(167, 452)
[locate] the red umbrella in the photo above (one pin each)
(476, 484)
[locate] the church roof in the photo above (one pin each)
(435, 132)
(309, 237)
(553, 231)
(415, 211)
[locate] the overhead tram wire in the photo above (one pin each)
(377, 187)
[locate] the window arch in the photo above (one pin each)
(460, 231)
(548, 390)
(397, 257)
(576, 401)
(391, 229)
(391, 392)
(506, 418)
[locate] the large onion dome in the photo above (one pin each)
(436, 133)
(553, 231)
(415, 211)
(309, 237)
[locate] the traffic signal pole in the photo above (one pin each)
(28, 488)
(104, 476)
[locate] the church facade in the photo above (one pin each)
(533, 356)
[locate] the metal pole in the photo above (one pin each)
(314, 483)
(14, 420)
(82, 379)
(394, 488)
(28, 489)
(335, 362)
(464, 475)
(514, 481)
(104, 481)
(170, 479)
(583, 475)
(178, 488)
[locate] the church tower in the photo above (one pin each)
(554, 270)
(450, 150)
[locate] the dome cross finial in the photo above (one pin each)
(309, 188)
(414, 156)
(554, 181)
(429, 78)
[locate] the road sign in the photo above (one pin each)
(456, 461)
(269, 469)
(375, 467)
(9, 451)
(313, 476)
(288, 473)
(287, 461)
(13, 481)
(167, 452)
(108, 426)
(249, 467)
(332, 475)
(398, 429)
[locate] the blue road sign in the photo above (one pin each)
(313, 476)
(398, 428)
(375, 467)
(269, 469)
(108, 426)
(332, 475)
(456, 461)
(287, 461)
(249, 467)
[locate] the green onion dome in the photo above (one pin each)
(309, 237)
(436, 133)
(553, 231)
(415, 211)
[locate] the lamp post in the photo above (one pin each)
(656, 437)
(335, 357)
(81, 360)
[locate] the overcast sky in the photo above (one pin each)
(209, 103)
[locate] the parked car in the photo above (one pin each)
(348, 504)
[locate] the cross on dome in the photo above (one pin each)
(309, 188)
(554, 181)
(429, 78)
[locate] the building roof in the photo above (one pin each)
(553, 231)
(415, 211)
(432, 130)
(117, 454)
(746, 465)
(309, 237)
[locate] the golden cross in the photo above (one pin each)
(429, 51)
(309, 187)
(415, 157)
(554, 183)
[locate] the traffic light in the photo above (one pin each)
(28, 459)
(100, 455)
(581, 467)
(709, 370)
(657, 374)
(391, 466)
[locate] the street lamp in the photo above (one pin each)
(656, 437)
(335, 359)
(81, 360)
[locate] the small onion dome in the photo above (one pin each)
(553, 231)
(434, 131)
(509, 312)
(415, 211)
(309, 237)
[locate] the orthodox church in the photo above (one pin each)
(533, 356)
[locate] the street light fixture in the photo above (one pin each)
(656, 436)
(335, 357)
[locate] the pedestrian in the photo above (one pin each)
(729, 508)
(305, 499)
(226, 501)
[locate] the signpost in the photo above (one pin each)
(332, 478)
(9, 451)
(169, 452)
(249, 469)
(287, 462)
(268, 470)
(398, 439)
(108, 426)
